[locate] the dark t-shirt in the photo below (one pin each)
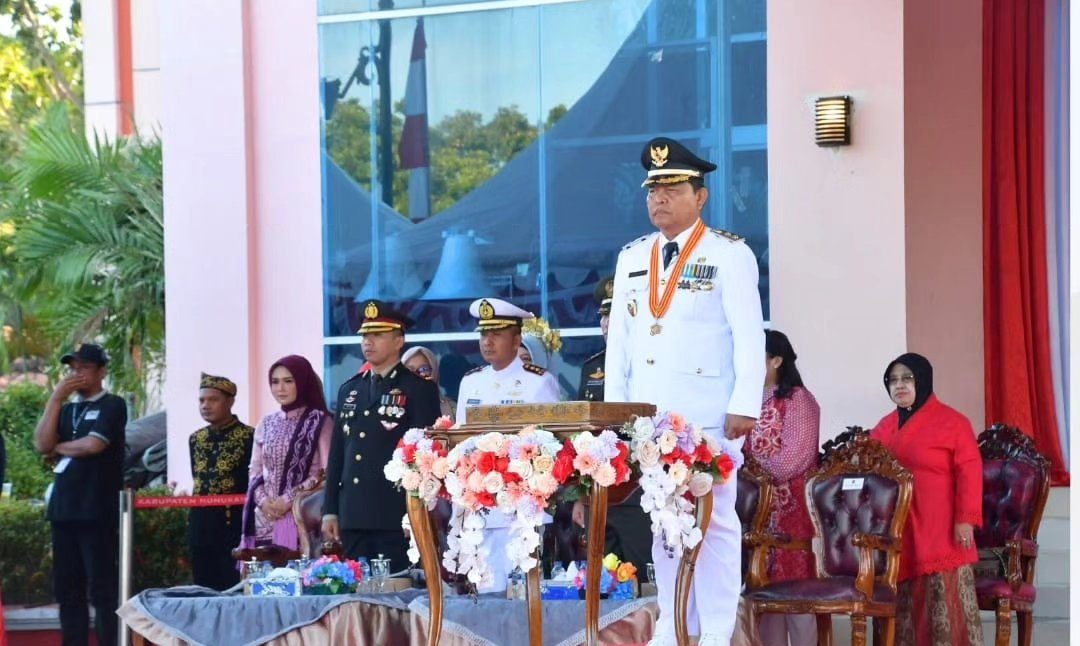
(87, 488)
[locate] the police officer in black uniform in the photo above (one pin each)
(362, 508)
(592, 371)
(86, 438)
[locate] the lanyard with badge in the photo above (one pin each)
(87, 414)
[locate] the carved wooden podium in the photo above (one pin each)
(563, 420)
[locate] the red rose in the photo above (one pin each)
(509, 477)
(564, 466)
(486, 464)
(486, 499)
(624, 451)
(622, 471)
(725, 465)
(502, 464)
(702, 454)
(673, 457)
(410, 453)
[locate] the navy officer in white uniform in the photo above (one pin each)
(686, 334)
(506, 379)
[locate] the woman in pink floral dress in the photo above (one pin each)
(290, 449)
(785, 443)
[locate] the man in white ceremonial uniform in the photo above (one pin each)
(505, 380)
(686, 334)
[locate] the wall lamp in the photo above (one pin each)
(832, 121)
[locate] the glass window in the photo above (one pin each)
(495, 152)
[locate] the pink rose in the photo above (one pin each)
(440, 467)
(605, 475)
(678, 422)
(493, 482)
(475, 481)
(424, 462)
(411, 480)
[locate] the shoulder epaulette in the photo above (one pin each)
(536, 370)
(596, 356)
(474, 370)
(720, 233)
(634, 242)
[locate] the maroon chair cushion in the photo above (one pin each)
(311, 513)
(843, 513)
(839, 588)
(1010, 490)
(747, 498)
(990, 589)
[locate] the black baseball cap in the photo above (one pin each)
(86, 352)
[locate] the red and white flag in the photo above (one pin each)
(413, 152)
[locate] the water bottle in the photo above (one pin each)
(558, 571)
(515, 588)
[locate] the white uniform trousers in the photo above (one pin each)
(714, 596)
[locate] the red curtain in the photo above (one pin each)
(1019, 381)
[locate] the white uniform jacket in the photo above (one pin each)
(708, 359)
(514, 384)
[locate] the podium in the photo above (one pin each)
(563, 419)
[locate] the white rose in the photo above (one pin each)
(583, 442)
(394, 470)
(605, 475)
(701, 484)
(644, 428)
(523, 468)
(429, 488)
(475, 481)
(668, 440)
(543, 463)
(648, 455)
(678, 473)
(493, 482)
(491, 442)
(410, 481)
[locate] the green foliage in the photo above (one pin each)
(465, 150)
(89, 244)
(21, 405)
(160, 558)
(25, 553)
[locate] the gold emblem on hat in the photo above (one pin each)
(371, 311)
(659, 155)
(486, 310)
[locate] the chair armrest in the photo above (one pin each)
(875, 542)
(1025, 546)
(761, 542)
(1014, 567)
(775, 541)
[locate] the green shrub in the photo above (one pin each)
(160, 547)
(25, 553)
(21, 406)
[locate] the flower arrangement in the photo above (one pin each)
(331, 575)
(508, 473)
(678, 462)
(617, 578)
(587, 458)
(419, 464)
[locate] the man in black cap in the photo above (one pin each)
(592, 371)
(220, 455)
(87, 438)
(687, 335)
(362, 508)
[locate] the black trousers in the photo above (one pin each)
(85, 558)
(213, 566)
(391, 543)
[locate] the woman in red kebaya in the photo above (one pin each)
(785, 442)
(937, 604)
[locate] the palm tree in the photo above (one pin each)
(89, 243)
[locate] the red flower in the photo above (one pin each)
(564, 466)
(510, 477)
(702, 454)
(486, 464)
(502, 464)
(673, 457)
(725, 465)
(622, 471)
(486, 499)
(410, 453)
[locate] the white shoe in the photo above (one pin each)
(712, 639)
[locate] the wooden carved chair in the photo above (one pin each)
(858, 500)
(1016, 484)
(752, 500)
